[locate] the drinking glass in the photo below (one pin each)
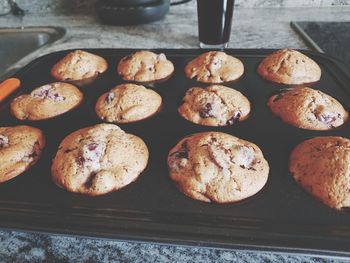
(214, 23)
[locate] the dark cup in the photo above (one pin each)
(214, 22)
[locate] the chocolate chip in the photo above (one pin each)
(234, 119)
(47, 92)
(220, 156)
(251, 168)
(205, 112)
(179, 159)
(55, 96)
(92, 146)
(33, 155)
(213, 139)
(41, 92)
(89, 182)
(110, 97)
(326, 118)
(68, 150)
(92, 152)
(80, 160)
(182, 152)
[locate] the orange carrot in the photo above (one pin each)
(8, 87)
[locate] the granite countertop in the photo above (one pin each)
(252, 28)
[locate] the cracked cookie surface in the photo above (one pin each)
(308, 108)
(128, 103)
(99, 159)
(321, 165)
(46, 102)
(145, 66)
(79, 67)
(287, 66)
(217, 167)
(20, 149)
(214, 106)
(214, 67)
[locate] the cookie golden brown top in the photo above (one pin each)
(289, 66)
(46, 101)
(128, 103)
(308, 108)
(20, 149)
(218, 167)
(79, 67)
(99, 159)
(214, 67)
(145, 66)
(214, 106)
(322, 166)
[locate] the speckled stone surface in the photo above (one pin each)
(252, 28)
(24, 247)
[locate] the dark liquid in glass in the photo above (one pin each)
(214, 21)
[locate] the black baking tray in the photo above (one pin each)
(281, 217)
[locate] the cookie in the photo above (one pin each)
(79, 68)
(46, 102)
(308, 108)
(287, 66)
(214, 67)
(214, 106)
(217, 167)
(145, 66)
(128, 103)
(99, 159)
(321, 166)
(20, 149)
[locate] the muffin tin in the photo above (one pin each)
(281, 217)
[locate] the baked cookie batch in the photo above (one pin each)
(207, 166)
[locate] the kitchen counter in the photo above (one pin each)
(252, 28)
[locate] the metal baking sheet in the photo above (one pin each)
(281, 217)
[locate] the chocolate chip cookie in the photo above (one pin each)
(20, 149)
(214, 67)
(217, 167)
(321, 166)
(99, 159)
(46, 102)
(290, 67)
(79, 67)
(214, 106)
(145, 66)
(308, 108)
(128, 103)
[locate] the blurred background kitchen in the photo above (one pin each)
(82, 24)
